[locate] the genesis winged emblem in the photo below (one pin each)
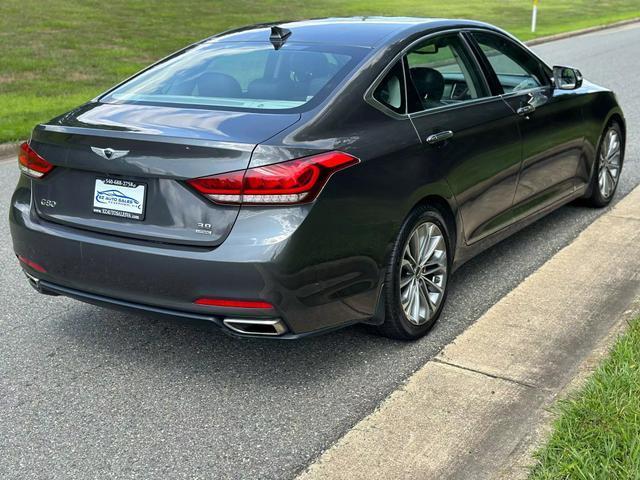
(109, 153)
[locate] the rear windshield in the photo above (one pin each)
(244, 76)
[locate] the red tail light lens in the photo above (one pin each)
(286, 183)
(30, 263)
(220, 302)
(31, 163)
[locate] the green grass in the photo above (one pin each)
(597, 433)
(58, 53)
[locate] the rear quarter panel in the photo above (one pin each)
(338, 253)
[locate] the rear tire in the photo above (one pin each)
(606, 171)
(417, 275)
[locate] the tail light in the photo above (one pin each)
(31, 163)
(286, 183)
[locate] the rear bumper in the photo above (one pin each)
(281, 333)
(308, 297)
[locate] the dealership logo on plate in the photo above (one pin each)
(117, 198)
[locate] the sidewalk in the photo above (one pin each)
(480, 406)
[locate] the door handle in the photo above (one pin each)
(439, 137)
(526, 110)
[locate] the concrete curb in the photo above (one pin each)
(521, 458)
(9, 149)
(584, 31)
(480, 407)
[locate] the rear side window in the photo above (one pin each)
(246, 75)
(391, 92)
(515, 68)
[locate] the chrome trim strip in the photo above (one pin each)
(368, 96)
(512, 39)
(468, 103)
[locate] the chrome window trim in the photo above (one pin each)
(370, 99)
(455, 106)
(368, 96)
(474, 59)
(542, 88)
(522, 47)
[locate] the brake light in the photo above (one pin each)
(290, 182)
(220, 302)
(31, 163)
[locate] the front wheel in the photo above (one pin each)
(417, 275)
(606, 171)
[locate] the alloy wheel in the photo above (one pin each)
(609, 163)
(423, 273)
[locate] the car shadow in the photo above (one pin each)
(197, 348)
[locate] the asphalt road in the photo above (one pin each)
(90, 393)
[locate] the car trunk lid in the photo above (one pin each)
(121, 169)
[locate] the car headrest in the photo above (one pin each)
(390, 92)
(213, 84)
(429, 82)
(310, 64)
(266, 89)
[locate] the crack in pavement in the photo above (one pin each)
(487, 374)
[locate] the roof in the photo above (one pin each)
(360, 31)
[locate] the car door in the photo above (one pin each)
(464, 130)
(550, 122)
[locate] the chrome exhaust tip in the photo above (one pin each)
(35, 282)
(271, 327)
(31, 278)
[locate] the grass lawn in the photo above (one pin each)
(597, 435)
(59, 53)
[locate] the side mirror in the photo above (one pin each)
(567, 78)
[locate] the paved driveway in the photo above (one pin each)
(91, 393)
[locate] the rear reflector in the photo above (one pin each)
(220, 302)
(286, 183)
(31, 163)
(30, 263)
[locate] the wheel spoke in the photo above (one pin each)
(414, 247)
(605, 182)
(407, 265)
(428, 295)
(406, 297)
(434, 285)
(611, 182)
(409, 257)
(415, 310)
(431, 269)
(614, 144)
(614, 162)
(424, 243)
(404, 281)
(436, 241)
(424, 294)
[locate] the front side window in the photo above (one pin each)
(516, 70)
(441, 73)
(245, 75)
